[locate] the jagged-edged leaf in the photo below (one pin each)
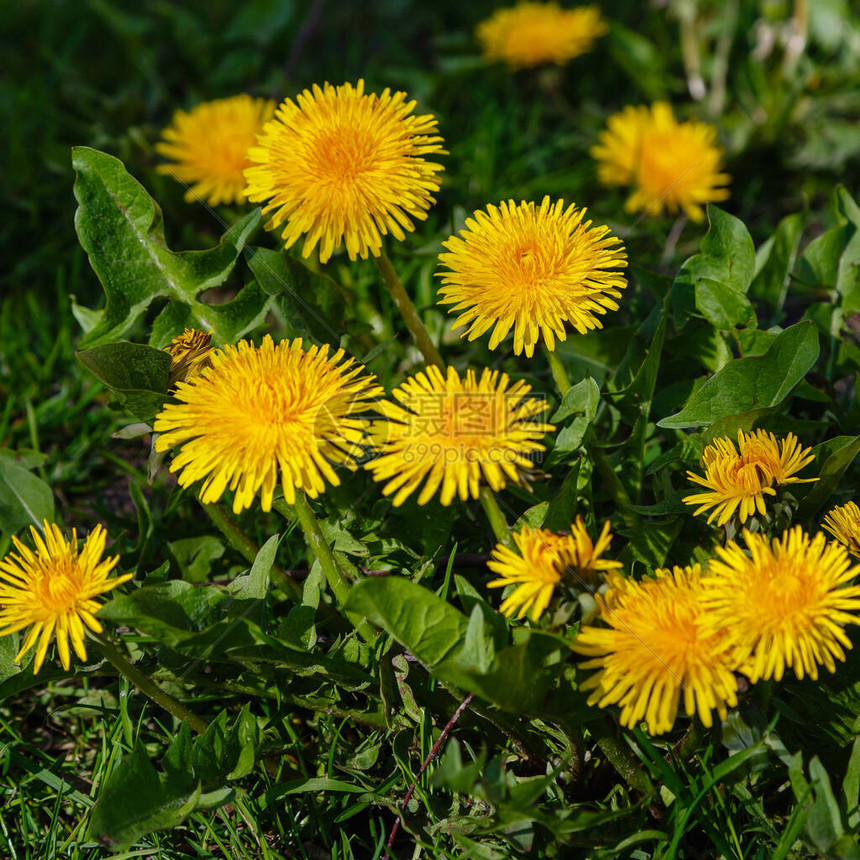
(136, 374)
(311, 302)
(121, 228)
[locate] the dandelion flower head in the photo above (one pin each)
(672, 166)
(784, 604)
(543, 559)
(531, 34)
(340, 167)
(457, 433)
(54, 587)
(190, 353)
(531, 268)
(843, 522)
(208, 146)
(738, 479)
(656, 651)
(260, 412)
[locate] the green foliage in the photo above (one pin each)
(25, 499)
(122, 230)
(137, 799)
(323, 716)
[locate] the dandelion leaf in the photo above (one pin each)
(121, 228)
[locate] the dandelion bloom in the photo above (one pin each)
(208, 147)
(54, 589)
(260, 411)
(339, 166)
(784, 605)
(533, 269)
(190, 352)
(531, 34)
(738, 479)
(671, 165)
(455, 433)
(843, 522)
(543, 560)
(656, 649)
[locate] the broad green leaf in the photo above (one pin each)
(582, 401)
(847, 206)
(833, 458)
(136, 374)
(249, 591)
(121, 228)
(851, 786)
(195, 556)
(134, 801)
(819, 264)
(226, 751)
(722, 306)
(419, 620)
(774, 260)
(824, 821)
(8, 650)
(25, 499)
(518, 678)
(762, 381)
(727, 254)
(170, 609)
(255, 584)
(312, 303)
(562, 509)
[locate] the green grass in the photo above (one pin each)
(109, 76)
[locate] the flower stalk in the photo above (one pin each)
(407, 310)
(248, 548)
(148, 687)
(496, 518)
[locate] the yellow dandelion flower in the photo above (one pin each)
(258, 412)
(208, 147)
(543, 560)
(671, 165)
(738, 479)
(656, 650)
(533, 269)
(190, 353)
(455, 433)
(339, 166)
(785, 604)
(54, 589)
(531, 34)
(843, 522)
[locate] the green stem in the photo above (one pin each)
(615, 487)
(317, 543)
(407, 311)
(498, 523)
(337, 581)
(559, 374)
(148, 687)
(623, 760)
(691, 740)
(248, 549)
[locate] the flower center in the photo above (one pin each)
(344, 154)
(58, 585)
(664, 164)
